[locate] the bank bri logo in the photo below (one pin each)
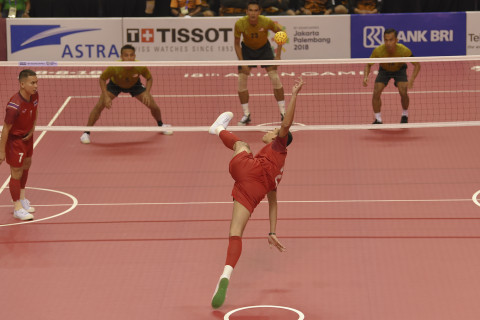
(29, 36)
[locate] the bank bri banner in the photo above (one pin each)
(426, 34)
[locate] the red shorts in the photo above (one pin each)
(16, 150)
(250, 180)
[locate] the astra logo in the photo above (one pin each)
(29, 36)
(373, 36)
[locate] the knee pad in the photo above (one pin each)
(242, 82)
(273, 74)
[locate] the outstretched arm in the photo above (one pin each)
(272, 209)
(414, 74)
(366, 72)
(288, 119)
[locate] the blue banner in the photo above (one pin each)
(426, 34)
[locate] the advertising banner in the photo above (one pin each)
(63, 39)
(426, 34)
(473, 33)
(202, 39)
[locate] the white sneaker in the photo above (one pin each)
(167, 133)
(85, 138)
(22, 214)
(222, 120)
(245, 120)
(26, 205)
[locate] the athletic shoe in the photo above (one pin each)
(222, 120)
(26, 205)
(282, 115)
(377, 122)
(404, 119)
(167, 133)
(85, 138)
(245, 120)
(22, 214)
(220, 293)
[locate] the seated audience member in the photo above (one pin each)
(310, 7)
(365, 6)
(340, 6)
(185, 8)
(274, 7)
(233, 7)
(18, 8)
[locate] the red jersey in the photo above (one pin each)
(272, 158)
(21, 114)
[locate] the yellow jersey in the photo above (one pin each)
(400, 51)
(125, 77)
(256, 36)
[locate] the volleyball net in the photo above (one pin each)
(192, 94)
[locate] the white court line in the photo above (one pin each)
(230, 202)
(300, 314)
(37, 141)
(287, 94)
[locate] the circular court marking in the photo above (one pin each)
(301, 316)
(74, 204)
(474, 198)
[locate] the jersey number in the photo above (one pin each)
(21, 156)
(254, 35)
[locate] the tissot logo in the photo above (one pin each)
(147, 35)
(373, 36)
(182, 35)
(140, 35)
(29, 36)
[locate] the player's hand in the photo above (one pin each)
(273, 242)
(146, 99)
(28, 136)
(298, 86)
(365, 82)
(107, 102)
(2, 157)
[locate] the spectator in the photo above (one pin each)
(310, 7)
(274, 7)
(185, 8)
(205, 10)
(232, 7)
(293, 7)
(365, 6)
(18, 8)
(340, 6)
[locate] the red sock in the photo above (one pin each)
(14, 186)
(234, 250)
(228, 138)
(23, 180)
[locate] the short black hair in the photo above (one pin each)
(290, 138)
(127, 47)
(25, 74)
(253, 2)
(391, 30)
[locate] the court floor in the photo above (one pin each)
(378, 224)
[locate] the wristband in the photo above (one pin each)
(272, 234)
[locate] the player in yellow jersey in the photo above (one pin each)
(398, 71)
(124, 79)
(255, 46)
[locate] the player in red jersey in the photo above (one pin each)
(16, 143)
(255, 177)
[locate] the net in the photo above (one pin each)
(191, 94)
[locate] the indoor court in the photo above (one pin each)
(379, 223)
